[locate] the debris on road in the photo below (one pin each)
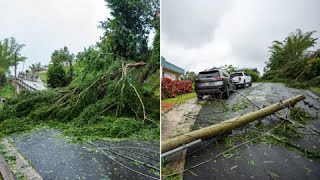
(225, 126)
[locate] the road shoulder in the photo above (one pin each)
(179, 120)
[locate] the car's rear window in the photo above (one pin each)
(208, 74)
(235, 74)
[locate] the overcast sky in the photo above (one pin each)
(48, 25)
(197, 35)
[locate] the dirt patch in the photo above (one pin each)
(166, 106)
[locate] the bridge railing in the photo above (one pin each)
(24, 85)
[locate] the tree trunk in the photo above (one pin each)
(225, 126)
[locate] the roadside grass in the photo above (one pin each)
(43, 77)
(7, 91)
(180, 98)
(315, 89)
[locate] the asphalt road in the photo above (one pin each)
(54, 157)
(253, 160)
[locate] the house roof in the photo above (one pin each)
(171, 66)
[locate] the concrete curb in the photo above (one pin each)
(5, 171)
(22, 166)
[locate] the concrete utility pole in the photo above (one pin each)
(15, 73)
(228, 125)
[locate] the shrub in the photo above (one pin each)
(57, 76)
(171, 88)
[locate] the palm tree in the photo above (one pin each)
(291, 51)
(36, 67)
(9, 54)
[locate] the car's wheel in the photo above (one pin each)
(250, 84)
(226, 94)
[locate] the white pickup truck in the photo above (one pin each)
(241, 79)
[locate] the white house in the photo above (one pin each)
(170, 70)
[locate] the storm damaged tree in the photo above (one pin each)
(108, 96)
(291, 59)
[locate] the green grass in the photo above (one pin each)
(43, 76)
(7, 91)
(180, 98)
(316, 89)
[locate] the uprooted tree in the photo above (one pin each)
(110, 95)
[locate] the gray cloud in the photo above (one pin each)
(180, 19)
(45, 25)
(236, 32)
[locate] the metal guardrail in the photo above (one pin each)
(24, 85)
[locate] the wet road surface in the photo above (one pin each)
(54, 157)
(261, 160)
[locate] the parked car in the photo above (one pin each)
(241, 79)
(214, 82)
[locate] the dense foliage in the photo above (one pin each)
(171, 88)
(126, 34)
(253, 73)
(110, 95)
(291, 61)
(56, 76)
(190, 76)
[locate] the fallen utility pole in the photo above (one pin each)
(225, 126)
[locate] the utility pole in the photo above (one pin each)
(15, 73)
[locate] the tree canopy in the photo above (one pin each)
(292, 60)
(10, 54)
(126, 33)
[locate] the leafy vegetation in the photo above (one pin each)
(9, 56)
(171, 88)
(316, 89)
(109, 95)
(190, 76)
(126, 34)
(36, 67)
(56, 76)
(7, 91)
(254, 73)
(292, 62)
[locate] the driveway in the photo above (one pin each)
(237, 156)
